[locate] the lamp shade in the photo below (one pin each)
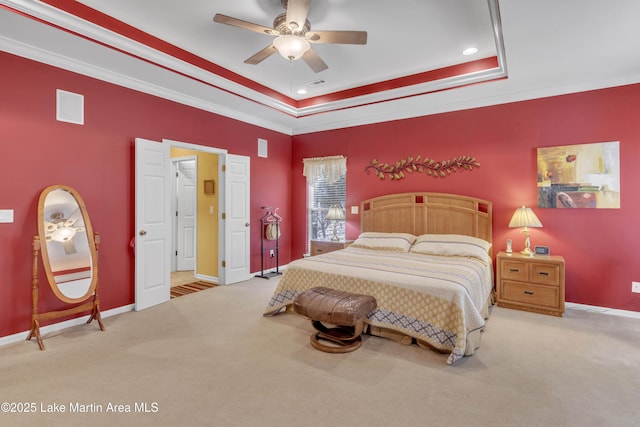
(524, 217)
(335, 213)
(291, 47)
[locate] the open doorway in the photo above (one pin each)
(195, 209)
(223, 219)
(184, 227)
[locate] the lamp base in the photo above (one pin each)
(527, 243)
(527, 252)
(335, 237)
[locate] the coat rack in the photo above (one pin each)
(269, 230)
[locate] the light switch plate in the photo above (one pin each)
(6, 215)
(354, 210)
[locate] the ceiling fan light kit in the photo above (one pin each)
(293, 35)
(291, 47)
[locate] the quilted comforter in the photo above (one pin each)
(438, 300)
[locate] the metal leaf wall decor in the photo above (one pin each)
(429, 166)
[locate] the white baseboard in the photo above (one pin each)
(21, 336)
(603, 310)
(206, 278)
(269, 270)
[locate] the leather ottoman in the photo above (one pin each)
(344, 310)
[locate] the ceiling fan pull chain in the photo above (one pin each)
(291, 75)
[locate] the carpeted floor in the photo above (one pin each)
(214, 360)
(189, 288)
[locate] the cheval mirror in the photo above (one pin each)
(69, 250)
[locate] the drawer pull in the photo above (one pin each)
(528, 292)
(543, 273)
(514, 270)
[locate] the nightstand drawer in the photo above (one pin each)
(513, 270)
(546, 274)
(319, 247)
(541, 295)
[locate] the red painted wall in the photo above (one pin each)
(97, 159)
(599, 245)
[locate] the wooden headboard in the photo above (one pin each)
(421, 213)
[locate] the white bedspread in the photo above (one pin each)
(435, 299)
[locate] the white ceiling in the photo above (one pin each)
(399, 43)
(544, 47)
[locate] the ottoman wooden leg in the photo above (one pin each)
(345, 338)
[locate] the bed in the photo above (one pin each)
(425, 257)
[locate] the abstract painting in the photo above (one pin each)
(579, 176)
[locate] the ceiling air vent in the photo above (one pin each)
(316, 83)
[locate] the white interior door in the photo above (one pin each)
(186, 214)
(236, 223)
(153, 224)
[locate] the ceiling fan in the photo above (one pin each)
(61, 229)
(293, 35)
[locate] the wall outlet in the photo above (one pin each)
(272, 254)
(635, 287)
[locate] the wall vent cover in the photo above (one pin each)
(69, 107)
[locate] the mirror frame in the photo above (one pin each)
(90, 239)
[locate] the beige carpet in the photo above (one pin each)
(211, 359)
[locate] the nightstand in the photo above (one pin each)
(531, 283)
(323, 246)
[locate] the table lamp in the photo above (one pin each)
(525, 218)
(335, 213)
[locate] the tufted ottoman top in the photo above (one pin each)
(333, 306)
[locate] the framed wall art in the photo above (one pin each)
(579, 176)
(209, 187)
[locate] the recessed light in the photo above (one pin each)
(302, 91)
(470, 51)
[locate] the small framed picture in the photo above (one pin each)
(542, 250)
(209, 187)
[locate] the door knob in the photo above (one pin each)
(142, 232)
(246, 224)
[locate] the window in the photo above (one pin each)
(326, 187)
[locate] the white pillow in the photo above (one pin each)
(396, 242)
(451, 245)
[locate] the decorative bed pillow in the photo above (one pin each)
(451, 245)
(396, 242)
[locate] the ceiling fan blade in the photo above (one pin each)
(314, 61)
(297, 11)
(262, 55)
(235, 22)
(75, 216)
(338, 37)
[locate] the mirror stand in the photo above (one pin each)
(93, 305)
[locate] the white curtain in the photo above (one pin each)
(331, 167)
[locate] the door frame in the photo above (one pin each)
(222, 156)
